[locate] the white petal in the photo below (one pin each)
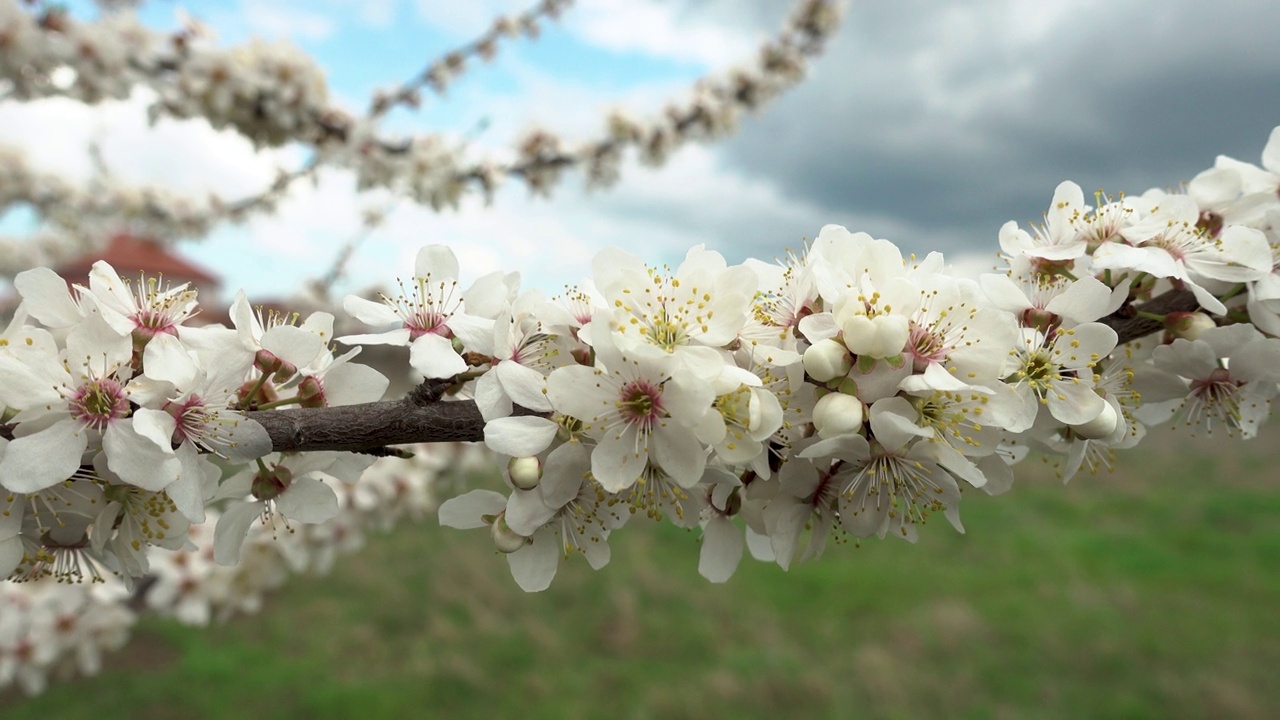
(156, 426)
(1271, 153)
(165, 358)
(722, 545)
(47, 298)
(520, 436)
(1084, 300)
(579, 392)
(292, 344)
(616, 464)
(526, 512)
(136, 457)
(759, 546)
(187, 496)
(534, 566)
(232, 529)
(488, 296)
(1193, 359)
(10, 555)
(563, 474)
(436, 262)
(1074, 403)
(373, 314)
(491, 399)
(475, 332)
(40, 460)
(466, 511)
(1004, 293)
(433, 356)
(786, 520)
(308, 500)
(352, 383)
(819, 326)
(526, 387)
(247, 439)
(679, 454)
(399, 336)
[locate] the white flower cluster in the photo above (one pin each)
(52, 629)
(846, 391)
(849, 390)
(273, 94)
(123, 423)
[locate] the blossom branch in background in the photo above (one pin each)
(442, 72)
(273, 94)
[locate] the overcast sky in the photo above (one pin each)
(928, 123)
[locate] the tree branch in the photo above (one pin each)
(1129, 325)
(423, 416)
(371, 425)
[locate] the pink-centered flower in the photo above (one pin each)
(430, 314)
(72, 402)
(637, 412)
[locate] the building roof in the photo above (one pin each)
(132, 254)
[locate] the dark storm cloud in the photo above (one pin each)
(943, 120)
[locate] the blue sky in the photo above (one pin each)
(928, 122)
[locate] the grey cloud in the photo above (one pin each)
(945, 120)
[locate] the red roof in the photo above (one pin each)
(131, 255)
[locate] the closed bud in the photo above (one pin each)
(507, 540)
(827, 360)
(837, 414)
(878, 337)
(525, 472)
(1100, 427)
(1186, 325)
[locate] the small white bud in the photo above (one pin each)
(507, 540)
(1100, 427)
(827, 360)
(837, 414)
(525, 472)
(1190, 325)
(881, 336)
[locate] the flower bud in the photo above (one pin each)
(837, 414)
(1187, 325)
(507, 540)
(878, 337)
(1100, 427)
(827, 360)
(525, 472)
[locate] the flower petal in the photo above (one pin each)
(308, 500)
(434, 357)
(40, 460)
(519, 436)
(468, 510)
(534, 566)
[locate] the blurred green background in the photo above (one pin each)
(1149, 592)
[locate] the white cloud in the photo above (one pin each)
(464, 19)
(659, 29)
(672, 31)
(275, 20)
(374, 13)
(182, 155)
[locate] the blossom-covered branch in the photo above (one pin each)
(847, 390)
(441, 72)
(273, 94)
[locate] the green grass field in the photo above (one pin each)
(1153, 592)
